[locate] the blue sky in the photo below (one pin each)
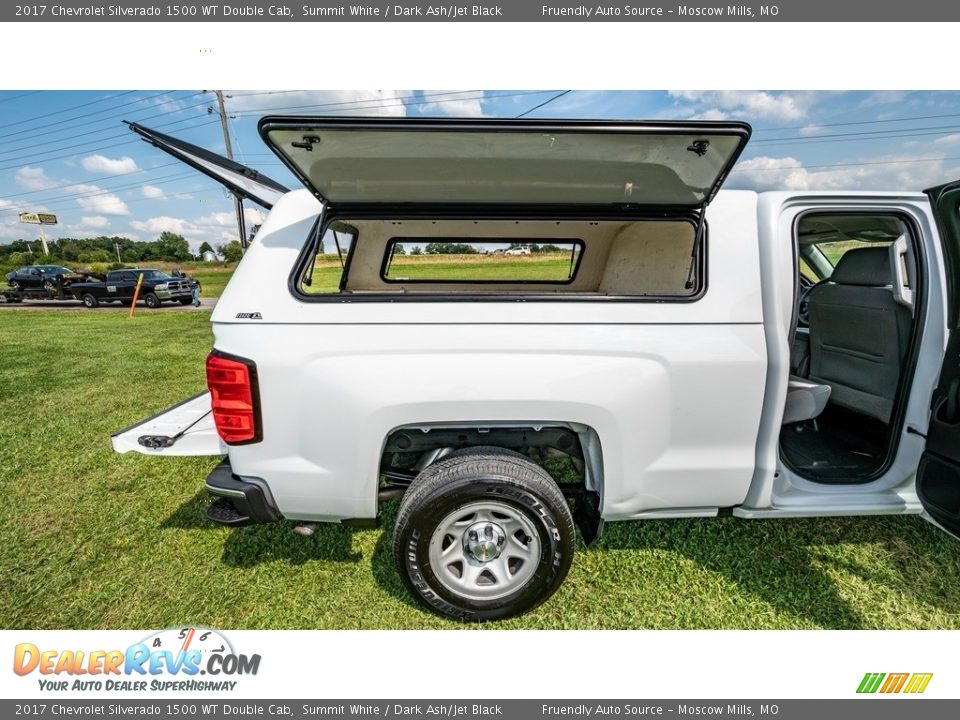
(67, 152)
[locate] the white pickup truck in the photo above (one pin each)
(686, 351)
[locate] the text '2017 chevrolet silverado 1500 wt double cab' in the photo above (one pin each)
(689, 351)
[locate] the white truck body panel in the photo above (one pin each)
(682, 401)
(672, 390)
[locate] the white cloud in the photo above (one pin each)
(94, 222)
(779, 106)
(33, 178)
(101, 163)
(100, 202)
(152, 192)
(228, 219)
(218, 219)
(812, 129)
(711, 114)
(877, 173)
(948, 140)
(454, 105)
(163, 223)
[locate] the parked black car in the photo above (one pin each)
(119, 286)
(42, 276)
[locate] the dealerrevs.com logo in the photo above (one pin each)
(179, 659)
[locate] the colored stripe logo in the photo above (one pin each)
(913, 683)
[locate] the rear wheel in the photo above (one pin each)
(89, 301)
(151, 301)
(483, 534)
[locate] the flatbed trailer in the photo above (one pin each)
(58, 291)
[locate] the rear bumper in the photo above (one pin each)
(240, 501)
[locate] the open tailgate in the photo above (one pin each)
(187, 428)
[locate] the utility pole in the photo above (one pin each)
(117, 246)
(237, 202)
(43, 241)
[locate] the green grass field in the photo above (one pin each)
(91, 539)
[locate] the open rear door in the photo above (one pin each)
(244, 182)
(187, 428)
(938, 477)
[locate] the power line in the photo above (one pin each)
(18, 96)
(349, 102)
(126, 113)
(76, 117)
(836, 165)
(87, 182)
(71, 137)
(819, 141)
(19, 163)
(882, 133)
(138, 200)
(75, 107)
(374, 101)
(857, 122)
(67, 199)
(381, 103)
(545, 102)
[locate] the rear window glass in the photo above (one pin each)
(411, 260)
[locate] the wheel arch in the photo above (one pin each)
(433, 441)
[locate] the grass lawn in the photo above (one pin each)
(90, 539)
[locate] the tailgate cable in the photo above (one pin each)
(155, 442)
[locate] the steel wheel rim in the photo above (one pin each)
(459, 570)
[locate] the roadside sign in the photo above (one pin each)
(38, 218)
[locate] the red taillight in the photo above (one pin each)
(234, 397)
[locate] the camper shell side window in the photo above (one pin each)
(358, 256)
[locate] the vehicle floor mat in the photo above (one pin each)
(842, 447)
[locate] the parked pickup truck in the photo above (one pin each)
(686, 351)
(120, 285)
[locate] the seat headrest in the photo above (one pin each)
(864, 266)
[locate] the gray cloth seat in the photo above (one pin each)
(805, 400)
(859, 333)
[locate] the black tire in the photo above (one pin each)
(483, 477)
(151, 301)
(185, 301)
(89, 301)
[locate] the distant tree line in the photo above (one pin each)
(455, 248)
(104, 249)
